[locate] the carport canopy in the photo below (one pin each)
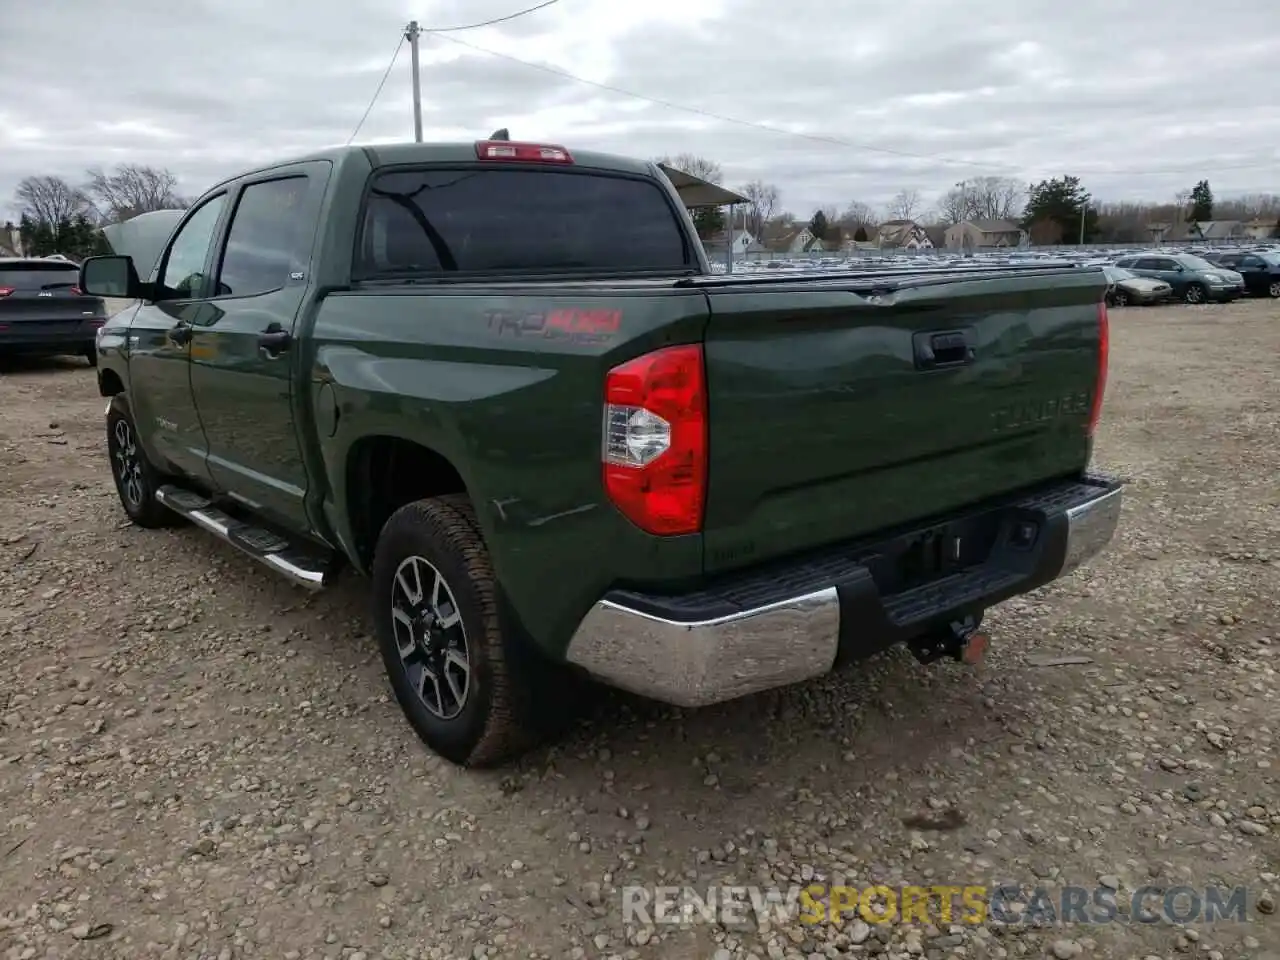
(696, 193)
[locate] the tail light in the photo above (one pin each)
(77, 292)
(522, 152)
(5, 291)
(655, 440)
(1104, 351)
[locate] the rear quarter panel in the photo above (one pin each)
(514, 402)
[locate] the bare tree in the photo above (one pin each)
(984, 198)
(904, 205)
(762, 199)
(1251, 206)
(858, 214)
(695, 166)
(132, 189)
(48, 199)
(954, 205)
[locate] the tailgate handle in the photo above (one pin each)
(949, 348)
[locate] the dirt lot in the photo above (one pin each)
(199, 761)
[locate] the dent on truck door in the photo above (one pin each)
(244, 360)
(160, 345)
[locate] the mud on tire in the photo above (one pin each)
(473, 692)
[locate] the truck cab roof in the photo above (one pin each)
(403, 154)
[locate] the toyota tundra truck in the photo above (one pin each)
(500, 380)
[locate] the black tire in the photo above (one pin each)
(1195, 293)
(1120, 299)
(1274, 289)
(135, 478)
(506, 683)
(91, 355)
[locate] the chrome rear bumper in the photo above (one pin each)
(693, 661)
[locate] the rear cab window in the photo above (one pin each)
(28, 276)
(466, 221)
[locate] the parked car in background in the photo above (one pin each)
(42, 310)
(1260, 270)
(1127, 287)
(1192, 278)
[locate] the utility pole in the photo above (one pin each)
(411, 33)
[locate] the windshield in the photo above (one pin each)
(1118, 273)
(1271, 258)
(38, 276)
(519, 221)
(1197, 263)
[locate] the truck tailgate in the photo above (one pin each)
(838, 408)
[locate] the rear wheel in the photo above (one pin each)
(1195, 293)
(1274, 289)
(136, 479)
(471, 691)
(91, 354)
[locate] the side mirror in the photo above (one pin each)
(111, 276)
(1180, 268)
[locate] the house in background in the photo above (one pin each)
(903, 235)
(984, 235)
(800, 240)
(1260, 229)
(937, 235)
(1162, 231)
(1213, 230)
(744, 242)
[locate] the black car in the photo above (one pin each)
(1260, 269)
(42, 311)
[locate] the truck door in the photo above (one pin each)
(160, 346)
(247, 374)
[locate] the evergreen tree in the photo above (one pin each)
(1062, 202)
(1201, 202)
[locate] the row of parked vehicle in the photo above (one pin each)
(1211, 277)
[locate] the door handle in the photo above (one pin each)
(946, 348)
(273, 340)
(180, 334)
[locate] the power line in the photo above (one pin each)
(488, 23)
(381, 83)
(818, 138)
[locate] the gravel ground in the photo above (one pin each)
(199, 761)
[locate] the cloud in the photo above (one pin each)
(836, 102)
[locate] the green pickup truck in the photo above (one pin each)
(500, 380)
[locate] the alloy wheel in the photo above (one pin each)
(1194, 294)
(128, 463)
(430, 637)
(1274, 290)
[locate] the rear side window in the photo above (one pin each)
(38, 276)
(265, 239)
(515, 221)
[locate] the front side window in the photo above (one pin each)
(183, 275)
(265, 240)
(517, 221)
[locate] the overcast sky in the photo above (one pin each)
(1140, 99)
